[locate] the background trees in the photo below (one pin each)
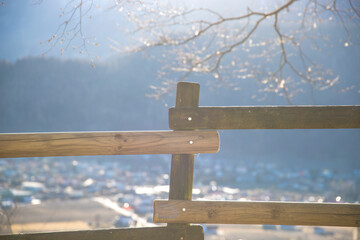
(281, 45)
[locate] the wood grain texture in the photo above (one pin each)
(296, 117)
(182, 165)
(276, 213)
(181, 180)
(161, 233)
(107, 143)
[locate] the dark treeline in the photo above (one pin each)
(39, 95)
(51, 95)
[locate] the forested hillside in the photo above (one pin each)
(39, 94)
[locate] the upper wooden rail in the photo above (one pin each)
(158, 233)
(285, 117)
(15, 145)
(274, 213)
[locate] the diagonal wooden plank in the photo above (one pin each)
(277, 213)
(159, 233)
(107, 143)
(284, 117)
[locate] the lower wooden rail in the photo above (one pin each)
(158, 233)
(274, 213)
(15, 145)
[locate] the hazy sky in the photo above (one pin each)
(24, 24)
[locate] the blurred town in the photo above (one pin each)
(126, 186)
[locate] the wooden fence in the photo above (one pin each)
(194, 132)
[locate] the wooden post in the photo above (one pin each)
(182, 165)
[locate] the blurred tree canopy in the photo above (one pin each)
(274, 43)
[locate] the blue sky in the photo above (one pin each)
(23, 25)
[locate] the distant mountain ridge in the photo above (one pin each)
(40, 95)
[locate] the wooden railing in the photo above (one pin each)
(107, 143)
(187, 118)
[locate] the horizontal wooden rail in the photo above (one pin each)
(296, 117)
(273, 213)
(162, 233)
(107, 143)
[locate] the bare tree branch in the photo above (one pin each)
(203, 40)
